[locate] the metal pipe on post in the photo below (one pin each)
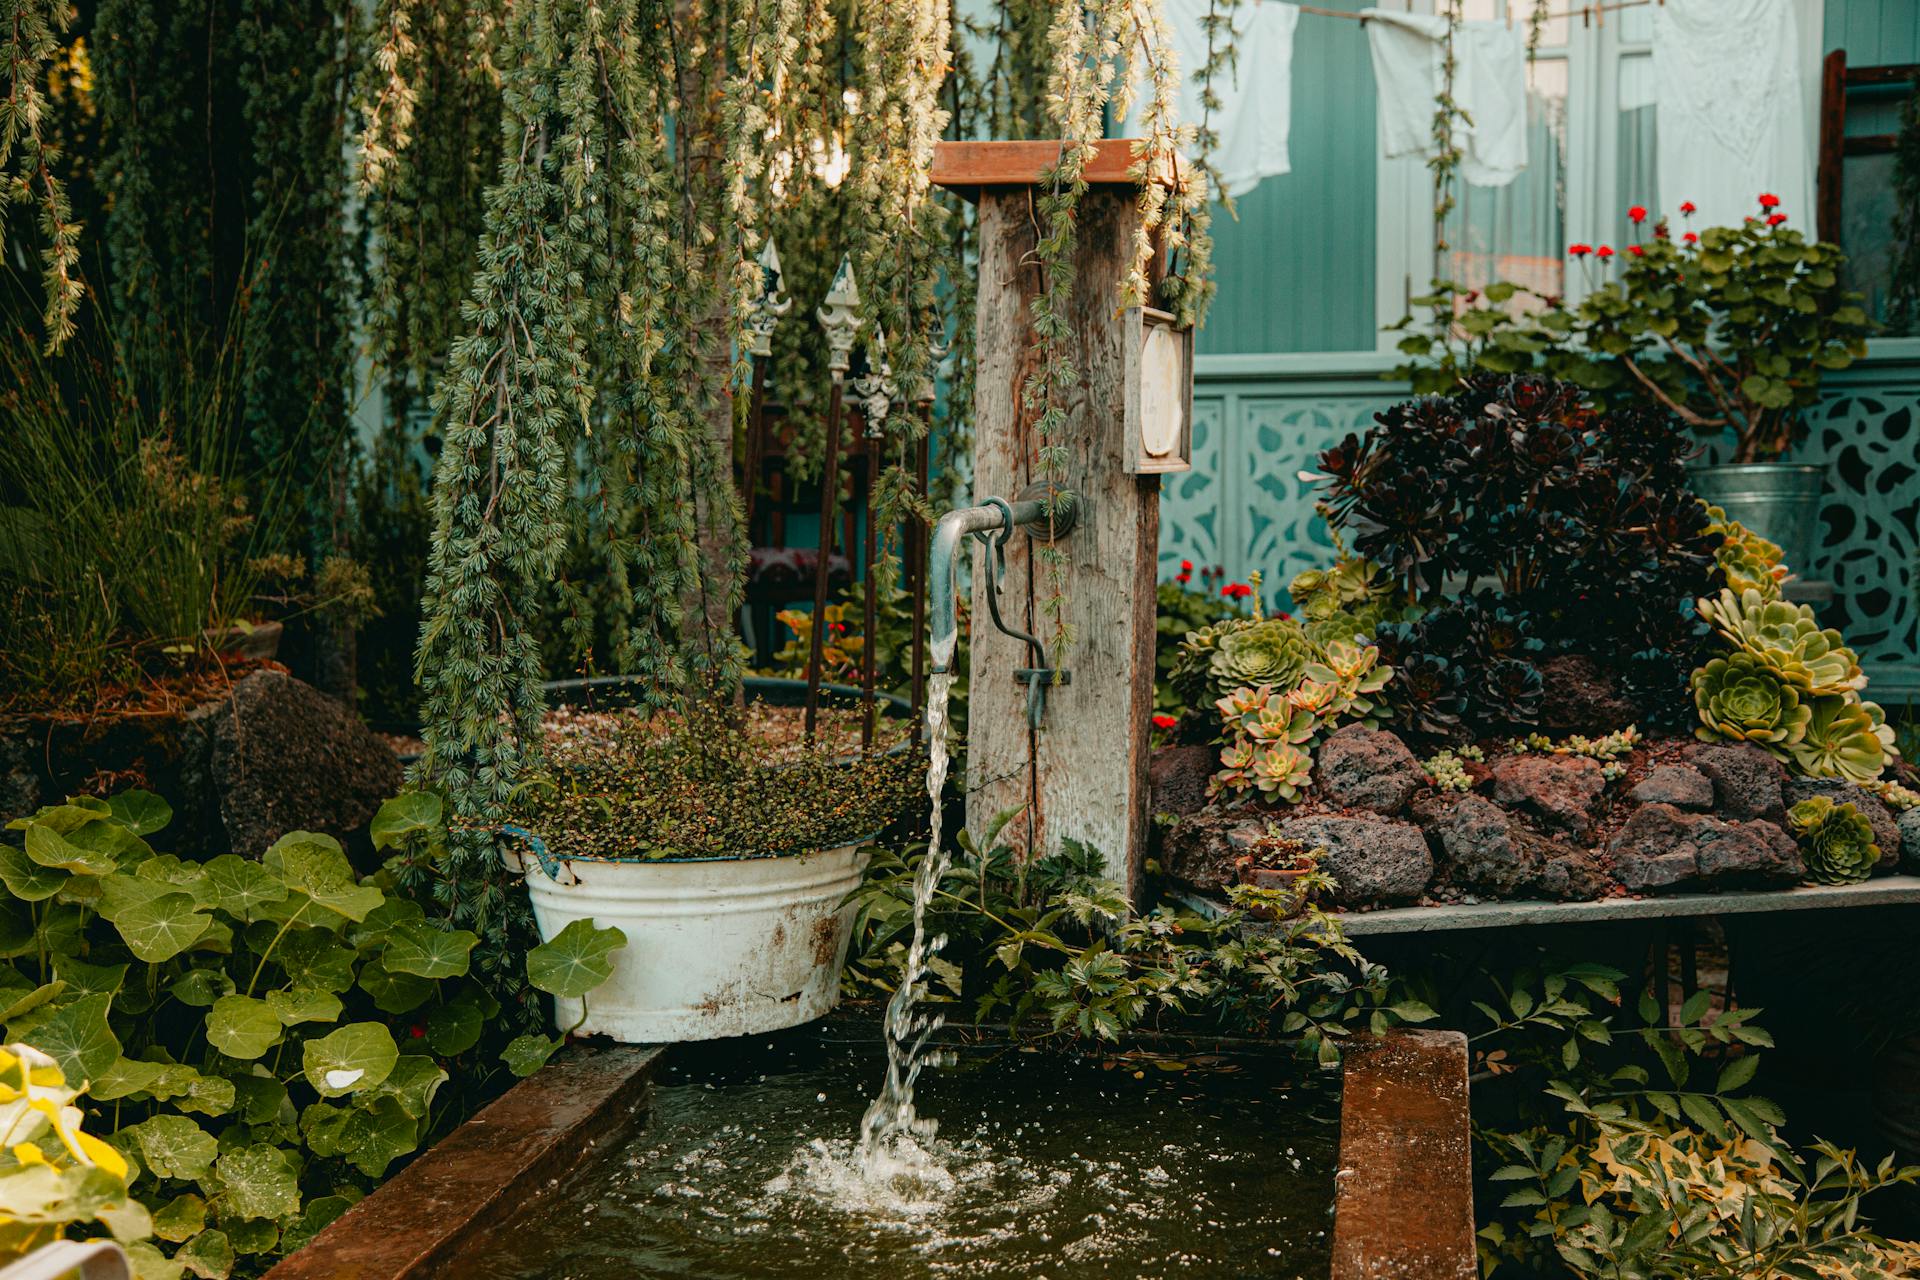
(839, 315)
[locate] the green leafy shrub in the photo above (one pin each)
(1049, 942)
(1835, 839)
(1640, 1153)
(272, 1036)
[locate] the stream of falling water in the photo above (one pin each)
(892, 1137)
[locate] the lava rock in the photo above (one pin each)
(1679, 785)
(1746, 780)
(1577, 695)
(19, 785)
(1372, 859)
(1909, 823)
(1886, 830)
(1362, 768)
(1491, 852)
(1177, 778)
(1200, 849)
(1564, 792)
(288, 758)
(1661, 847)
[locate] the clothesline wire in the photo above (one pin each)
(1584, 11)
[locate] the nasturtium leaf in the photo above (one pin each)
(199, 988)
(311, 958)
(527, 1054)
(77, 1036)
(406, 813)
(304, 1004)
(239, 887)
(260, 1181)
(140, 812)
(93, 846)
(382, 919)
(365, 1048)
(116, 894)
(174, 1147)
(319, 1214)
(313, 864)
(17, 931)
(454, 1027)
(393, 992)
(333, 1131)
(85, 979)
(208, 1255)
(28, 1001)
(158, 930)
(390, 1134)
(420, 949)
(180, 1218)
(26, 879)
(412, 1083)
(188, 1090)
(172, 870)
(243, 1027)
(578, 959)
(149, 1263)
(126, 1077)
(260, 1099)
(253, 1235)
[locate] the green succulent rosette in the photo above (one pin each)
(1787, 638)
(1751, 562)
(1742, 699)
(1191, 675)
(1845, 738)
(1273, 651)
(1836, 840)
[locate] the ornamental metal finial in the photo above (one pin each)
(839, 315)
(937, 348)
(875, 387)
(767, 309)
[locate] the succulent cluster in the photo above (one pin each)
(1465, 667)
(1448, 768)
(1583, 520)
(1240, 653)
(1790, 686)
(1346, 601)
(1836, 840)
(1270, 731)
(1749, 561)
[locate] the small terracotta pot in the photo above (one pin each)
(1285, 879)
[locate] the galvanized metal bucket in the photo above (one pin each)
(1778, 500)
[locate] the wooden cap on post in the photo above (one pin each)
(970, 167)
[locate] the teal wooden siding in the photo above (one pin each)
(1874, 31)
(1296, 270)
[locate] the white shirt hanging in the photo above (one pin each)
(1255, 115)
(1730, 109)
(1489, 86)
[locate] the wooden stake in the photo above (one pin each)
(756, 440)
(868, 620)
(916, 553)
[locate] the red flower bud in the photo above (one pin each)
(1691, 238)
(1186, 566)
(1579, 250)
(1472, 296)
(1637, 214)
(1769, 201)
(1660, 231)
(1604, 251)
(1775, 219)
(1635, 250)
(1689, 208)
(1165, 721)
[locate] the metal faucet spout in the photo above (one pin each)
(949, 535)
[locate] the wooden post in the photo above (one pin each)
(1830, 197)
(1083, 775)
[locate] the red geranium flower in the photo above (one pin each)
(1579, 250)
(1769, 201)
(1165, 721)
(1637, 214)
(1689, 208)
(1635, 250)
(1236, 591)
(1691, 238)
(1604, 251)
(1775, 219)
(1186, 566)
(1660, 231)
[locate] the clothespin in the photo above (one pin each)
(1600, 15)
(1509, 8)
(1586, 16)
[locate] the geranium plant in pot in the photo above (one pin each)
(1731, 329)
(726, 860)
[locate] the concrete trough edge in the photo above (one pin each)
(589, 1094)
(1403, 1193)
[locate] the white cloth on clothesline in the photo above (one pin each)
(1730, 110)
(1255, 115)
(1489, 86)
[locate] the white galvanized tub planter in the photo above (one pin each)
(715, 946)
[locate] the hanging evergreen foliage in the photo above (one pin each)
(30, 32)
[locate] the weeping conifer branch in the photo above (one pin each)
(30, 32)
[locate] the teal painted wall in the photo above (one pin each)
(1296, 270)
(1874, 31)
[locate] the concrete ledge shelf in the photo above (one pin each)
(1881, 891)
